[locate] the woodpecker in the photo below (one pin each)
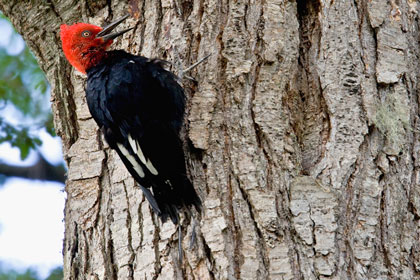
(139, 106)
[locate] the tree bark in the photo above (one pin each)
(302, 140)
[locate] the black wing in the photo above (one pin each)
(140, 108)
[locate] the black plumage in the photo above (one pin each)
(140, 108)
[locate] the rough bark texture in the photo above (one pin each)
(302, 140)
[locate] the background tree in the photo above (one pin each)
(302, 140)
(25, 120)
(24, 93)
(29, 274)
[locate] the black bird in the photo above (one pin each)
(139, 107)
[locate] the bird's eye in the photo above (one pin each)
(86, 33)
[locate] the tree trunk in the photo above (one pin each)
(301, 138)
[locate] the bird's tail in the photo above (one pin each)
(181, 194)
(166, 195)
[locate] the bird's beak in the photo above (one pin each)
(106, 34)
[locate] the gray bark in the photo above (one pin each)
(302, 140)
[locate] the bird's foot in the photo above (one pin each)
(181, 71)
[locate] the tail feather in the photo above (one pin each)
(183, 194)
(165, 199)
(149, 196)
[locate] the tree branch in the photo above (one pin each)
(41, 170)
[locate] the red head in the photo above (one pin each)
(85, 45)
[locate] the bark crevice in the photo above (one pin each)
(294, 129)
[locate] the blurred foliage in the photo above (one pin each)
(29, 274)
(56, 274)
(23, 92)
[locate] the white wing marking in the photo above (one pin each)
(132, 160)
(133, 144)
(137, 149)
(148, 163)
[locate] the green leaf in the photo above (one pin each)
(24, 151)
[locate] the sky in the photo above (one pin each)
(31, 212)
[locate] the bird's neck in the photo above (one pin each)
(91, 59)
